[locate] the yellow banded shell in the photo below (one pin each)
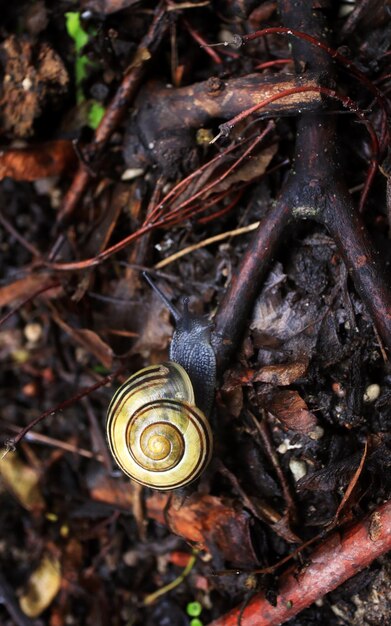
(156, 434)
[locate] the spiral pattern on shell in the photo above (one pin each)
(156, 434)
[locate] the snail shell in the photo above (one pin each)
(156, 434)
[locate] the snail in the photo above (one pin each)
(157, 421)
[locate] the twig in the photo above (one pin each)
(341, 556)
(262, 427)
(55, 443)
(206, 242)
(50, 285)
(351, 486)
(14, 233)
(152, 597)
(61, 407)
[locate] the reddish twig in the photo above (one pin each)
(276, 62)
(341, 556)
(11, 443)
(161, 217)
(51, 285)
(351, 486)
(14, 233)
(330, 93)
(200, 40)
(332, 52)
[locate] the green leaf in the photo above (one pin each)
(95, 115)
(196, 622)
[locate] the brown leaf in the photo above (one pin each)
(89, 340)
(283, 529)
(209, 521)
(238, 377)
(206, 520)
(105, 489)
(291, 410)
(283, 374)
(155, 329)
(233, 400)
(251, 169)
(24, 288)
(39, 161)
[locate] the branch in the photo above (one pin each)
(341, 556)
(314, 190)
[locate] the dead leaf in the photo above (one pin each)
(154, 327)
(233, 400)
(88, 339)
(291, 410)
(282, 528)
(42, 587)
(351, 485)
(330, 477)
(287, 321)
(203, 519)
(39, 161)
(25, 287)
(209, 521)
(251, 169)
(22, 481)
(283, 374)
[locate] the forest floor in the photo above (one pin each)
(251, 177)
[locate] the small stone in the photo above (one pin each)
(131, 173)
(27, 83)
(298, 468)
(372, 393)
(317, 433)
(33, 332)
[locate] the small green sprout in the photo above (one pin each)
(80, 38)
(193, 610)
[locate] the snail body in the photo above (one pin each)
(157, 425)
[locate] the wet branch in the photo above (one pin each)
(341, 556)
